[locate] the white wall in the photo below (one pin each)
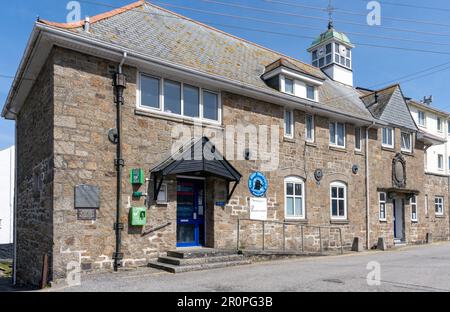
(431, 161)
(340, 74)
(6, 195)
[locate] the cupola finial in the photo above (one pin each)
(330, 9)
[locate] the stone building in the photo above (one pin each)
(213, 130)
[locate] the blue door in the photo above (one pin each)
(190, 213)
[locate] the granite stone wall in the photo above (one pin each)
(73, 148)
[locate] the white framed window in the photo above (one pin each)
(439, 124)
(406, 142)
(173, 98)
(439, 206)
(338, 200)
(311, 92)
(310, 128)
(162, 195)
(289, 85)
(382, 205)
(358, 139)
(448, 127)
(289, 124)
(440, 162)
(422, 119)
(413, 204)
(387, 137)
(426, 206)
(150, 91)
(294, 201)
(337, 134)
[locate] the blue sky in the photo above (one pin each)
(372, 66)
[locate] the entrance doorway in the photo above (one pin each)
(399, 220)
(190, 213)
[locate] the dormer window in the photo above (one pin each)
(288, 85)
(311, 92)
(288, 78)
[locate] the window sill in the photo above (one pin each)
(439, 216)
(388, 149)
(289, 140)
(360, 153)
(299, 221)
(339, 222)
(408, 153)
(337, 149)
(185, 120)
(382, 221)
(312, 144)
(414, 221)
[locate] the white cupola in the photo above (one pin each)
(332, 53)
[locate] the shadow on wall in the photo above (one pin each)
(6, 251)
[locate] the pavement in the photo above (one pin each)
(412, 268)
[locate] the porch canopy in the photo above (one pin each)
(197, 158)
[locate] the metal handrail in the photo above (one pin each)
(285, 223)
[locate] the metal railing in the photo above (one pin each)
(286, 224)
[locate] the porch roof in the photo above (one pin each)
(198, 157)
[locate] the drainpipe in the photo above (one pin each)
(120, 85)
(367, 187)
(15, 205)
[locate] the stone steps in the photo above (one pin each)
(199, 253)
(178, 261)
(202, 260)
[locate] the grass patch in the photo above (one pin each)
(5, 269)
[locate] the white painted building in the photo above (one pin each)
(7, 158)
(435, 125)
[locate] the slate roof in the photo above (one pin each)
(157, 32)
(428, 108)
(389, 105)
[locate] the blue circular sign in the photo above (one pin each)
(257, 184)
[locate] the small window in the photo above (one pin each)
(406, 142)
(338, 200)
(382, 203)
(311, 92)
(358, 139)
(426, 206)
(388, 137)
(314, 55)
(422, 119)
(413, 203)
(448, 127)
(337, 134)
(210, 105)
(172, 97)
(288, 85)
(294, 198)
(191, 100)
(439, 206)
(439, 124)
(310, 128)
(440, 162)
(162, 195)
(289, 124)
(150, 92)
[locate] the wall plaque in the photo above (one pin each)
(87, 196)
(399, 171)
